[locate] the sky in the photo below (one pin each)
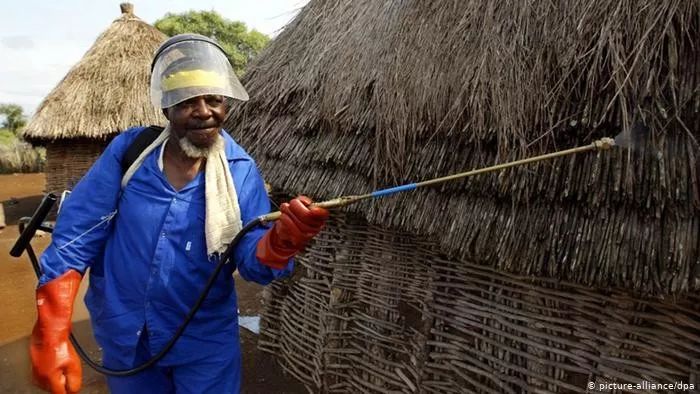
(40, 40)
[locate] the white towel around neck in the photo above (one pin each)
(223, 215)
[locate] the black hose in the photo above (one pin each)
(210, 282)
(35, 223)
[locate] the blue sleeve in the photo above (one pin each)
(254, 202)
(83, 224)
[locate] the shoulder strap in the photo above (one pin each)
(141, 142)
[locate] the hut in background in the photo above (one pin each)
(105, 93)
(541, 278)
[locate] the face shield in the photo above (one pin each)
(191, 65)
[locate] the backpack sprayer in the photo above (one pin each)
(28, 226)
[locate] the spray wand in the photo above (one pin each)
(605, 143)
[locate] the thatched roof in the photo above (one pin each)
(353, 96)
(107, 90)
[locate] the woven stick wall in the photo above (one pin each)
(374, 310)
(68, 160)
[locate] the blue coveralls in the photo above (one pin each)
(149, 264)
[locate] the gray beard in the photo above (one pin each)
(194, 152)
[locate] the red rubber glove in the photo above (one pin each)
(55, 364)
(291, 232)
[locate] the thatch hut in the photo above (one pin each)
(105, 93)
(541, 278)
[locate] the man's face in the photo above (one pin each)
(198, 119)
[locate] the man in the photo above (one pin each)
(152, 235)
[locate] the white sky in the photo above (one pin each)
(40, 40)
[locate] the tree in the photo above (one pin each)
(240, 44)
(14, 117)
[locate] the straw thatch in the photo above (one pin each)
(358, 95)
(106, 92)
(523, 281)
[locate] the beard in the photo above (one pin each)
(194, 152)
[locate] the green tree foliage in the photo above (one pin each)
(13, 117)
(240, 43)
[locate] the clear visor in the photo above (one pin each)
(193, 68)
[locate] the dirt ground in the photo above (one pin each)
(20, 194)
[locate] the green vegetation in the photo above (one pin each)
(240, 43)
(7, 137)
(13, 115)
(17, 155)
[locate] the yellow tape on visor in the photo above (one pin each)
(193, 78)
